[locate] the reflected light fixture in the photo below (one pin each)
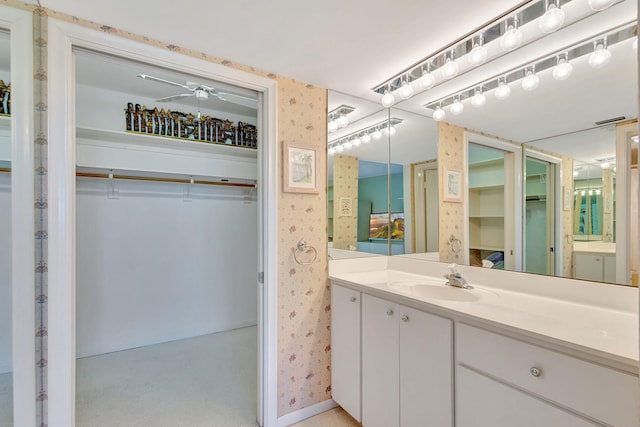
(406, 90)
(366, 138)
(377, 134)
(599, 5)
(552, 19)
(438, 114)
(450, 68)
(478, 54)
(339, 149)
(582, 193)
(427, 80)
(575, 174)
(347, 145)
(531, 81)
(478, 99)
(563, 68)
(390, 130)
(512, 38)
(503, 90)
(387, 99)
(342, 121)
(356, 142)
(457, 107)
(605, 164)
(634, 139)
(600, 55)
(332, 151)
(332, 126)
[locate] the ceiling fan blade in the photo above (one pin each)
(157, 79)
(174, 97)
(236, 99)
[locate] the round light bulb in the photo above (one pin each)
(502, 91)
(342, 121)
(450, 69)
(438, 114)
(387, 99)
(575, 174)
(511, 39)
(427, 80)
(366, 139)
(405, 91)
(339, 149)
(600, 57)
(357, 142)
(552, 19)
(478, 100)
(377, 134)
(605, 165)
(582, 193)
(600, 4)
(477, 55)
(332, 126)
(332, 151)
(347, 145)
(392, 130)
(457, 107)
(598, 192)
(591, 192)
(563, 70)
(530, 82)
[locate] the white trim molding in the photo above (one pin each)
(20, 26)
(304, 413)
(63, 37)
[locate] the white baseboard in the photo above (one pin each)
(304, 413)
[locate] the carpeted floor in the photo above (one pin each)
(6, 400)
(206, 381)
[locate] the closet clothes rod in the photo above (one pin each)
(148, 178)
(8, 170)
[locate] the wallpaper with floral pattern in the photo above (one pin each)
(345, 185)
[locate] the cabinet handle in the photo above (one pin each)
(536, 372)
(389, 312)
(405, 318)
(353, 299)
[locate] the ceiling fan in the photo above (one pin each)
(201, 92)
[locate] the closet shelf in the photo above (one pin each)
(486, 247)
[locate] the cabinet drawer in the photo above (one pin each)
(605, 394)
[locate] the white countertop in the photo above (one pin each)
(597, 319)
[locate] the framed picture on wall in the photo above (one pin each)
(300, 169)
(452, 190)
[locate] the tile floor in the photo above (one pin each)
(336, 417)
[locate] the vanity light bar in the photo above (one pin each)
(337, 118)
(585, 47)
(509, 22)
(369, 130)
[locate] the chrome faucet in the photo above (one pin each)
(455, 279)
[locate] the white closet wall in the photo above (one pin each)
(152, 267)
(5, 272)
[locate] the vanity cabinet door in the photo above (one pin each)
(380, 363)
(484, 402)
(345, 348)
(426, 369)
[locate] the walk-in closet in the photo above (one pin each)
(166, 246)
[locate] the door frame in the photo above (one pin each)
(63, 37)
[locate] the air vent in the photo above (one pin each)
(607, 121)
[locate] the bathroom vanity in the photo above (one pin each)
(517, 349)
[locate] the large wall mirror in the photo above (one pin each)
(574, 214)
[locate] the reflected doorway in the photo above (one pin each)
(539, 217)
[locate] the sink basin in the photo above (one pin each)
(435, 290)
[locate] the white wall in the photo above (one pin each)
(152, 267)
(5, 272)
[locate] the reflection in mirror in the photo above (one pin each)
(6, 383)
(358, 167)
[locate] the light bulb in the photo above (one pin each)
(332, 151)
(552, 19)
(347, 145)
(450, 69)
(366, 138)
(531, 81)
(405, 91)
(427, 80)
(563, 69)
(477, 55)
(511, 39)
(600, 4)
(332, 126)
(600, 56)
(342, 121)
(598, 192)
(634, 139)
(387, 99)
(503, 90)
(339, 149)
(478, 100)
(391, 131)
(439, 114)
(377, 134)
(605, 165)
(457, 107)
(591, 192)
(582, 193)
(357, 142)
(575, 174)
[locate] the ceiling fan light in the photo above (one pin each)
(405, 91)
(511, 39)
(552, 19)
(599, 5)
(366, 138)
(600, 57)
(427, 80)
(438, 114)
(457, 107)
(477, 56)
(387, 99)
(332, 126)
(563, 69)
(503, 90)
(479, 99)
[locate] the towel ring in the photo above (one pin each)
(455, 244)
(304, 248)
